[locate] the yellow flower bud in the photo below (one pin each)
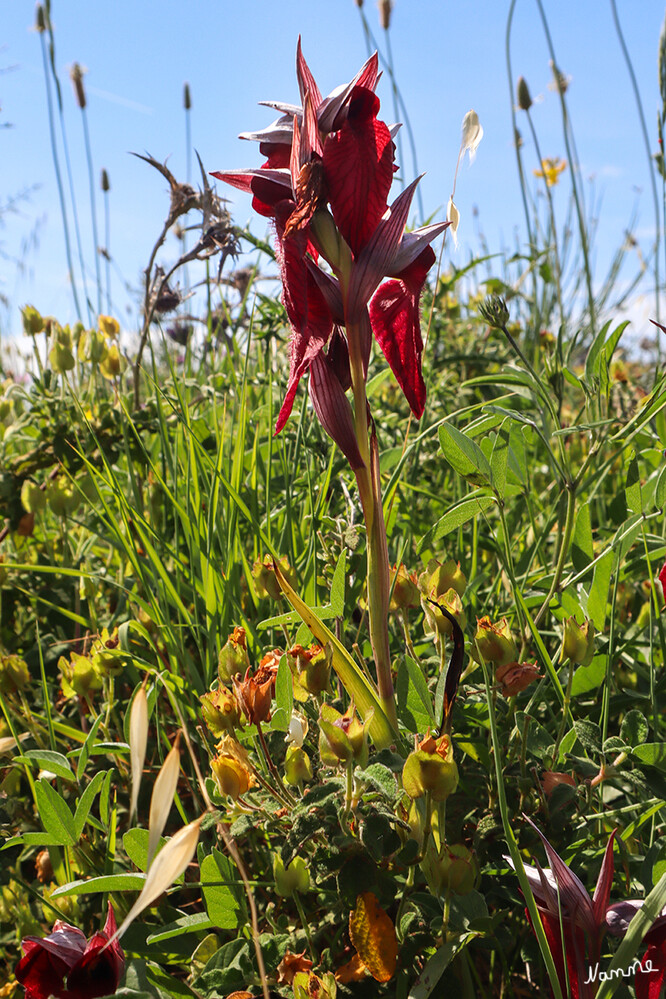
(578, 641)
(432, 768)
(220, 710)
(494, 642)
(290, 879)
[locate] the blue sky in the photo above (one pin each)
(449, 56)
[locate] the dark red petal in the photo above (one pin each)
(277, 154)
(309, 316)
(40, 972)
(648, 984)
(374, 262)
(333, 409)
(306, 81)
(394, 316)
(604, 882)
(358, 168)
(98, 972)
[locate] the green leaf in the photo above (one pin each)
(464, 455)
(186, 924)
(465, 510)
(284, 697)
(104, 883)
(652, 753)
(417, 681)
(660, 491)
(85, 802)
(437, 965)
(499, 459)
(598, 595)
(55, 816)
(84, 755)
(587, 678)
(221, 902)
(338, 585)
(632, 488)
(634, 729)
(46, 759)
(411, 711)
(589, 735)
(582, 549)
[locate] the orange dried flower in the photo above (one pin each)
(514, 677)
(550, 779)
(255, 693)
(290, 965)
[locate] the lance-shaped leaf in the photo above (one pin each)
(362, 691)
(375, 259)
(161, 801)
(171, 861)
(138, 740)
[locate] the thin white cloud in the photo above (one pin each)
(117, 99)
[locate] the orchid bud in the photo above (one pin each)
(61, 357)
(342, 738)
(311, 669)
(438, 578)
(233, 658)
(306, 984)
(493, 642)
(232, 768)
(109, 326)
(438, 622)
(431, 767)
(456, 871)
(33, 499)
(578, 641)
(32, 321)
(298, 729)
(290, 879)
(297, 766)
(62, 498)
(14, 674)
(113, 364)
(265, 580)
(524, 98)
(220, 711)
(405, 589)
(78, 676)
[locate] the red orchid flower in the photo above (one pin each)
(325, 184)
(65, 955)
(573, 922)
(650, 981)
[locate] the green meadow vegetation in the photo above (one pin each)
(297, 756)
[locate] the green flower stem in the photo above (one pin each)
(564, 550)
(565, 712)
(369, 487)
(306, 928)
(512, 844)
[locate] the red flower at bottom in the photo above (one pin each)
(90, 970)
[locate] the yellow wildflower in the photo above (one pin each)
(551, 168)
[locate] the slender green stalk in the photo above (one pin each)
(59, 184)
(575, 169)
(648, 152)
(512, 844)
(553, 223)
(93, 208)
